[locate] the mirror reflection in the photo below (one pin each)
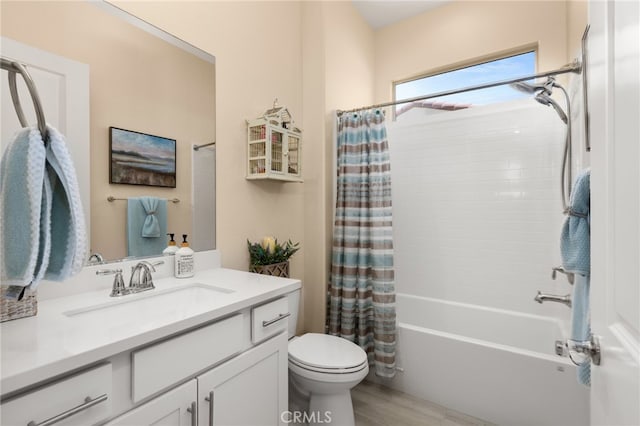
(138, 79)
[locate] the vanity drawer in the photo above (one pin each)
(159, 366)
(269, 319)
(81, 399)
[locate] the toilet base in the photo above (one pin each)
(331, 409)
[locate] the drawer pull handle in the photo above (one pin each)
(275, 320)
(194, 414)
(209, 399)
(88, 403)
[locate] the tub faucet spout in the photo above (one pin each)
(543, 297)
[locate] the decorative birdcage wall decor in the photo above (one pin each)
(274, 146)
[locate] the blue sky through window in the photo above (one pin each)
(500, 69)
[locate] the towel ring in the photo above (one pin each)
(16, 67)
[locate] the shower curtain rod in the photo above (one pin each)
(574, 66)
(197, 147)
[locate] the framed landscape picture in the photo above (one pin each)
(141, 159)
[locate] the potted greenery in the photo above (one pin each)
(269, 257)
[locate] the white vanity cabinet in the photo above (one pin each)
(236, 373)
(214, 360)
(174, 408)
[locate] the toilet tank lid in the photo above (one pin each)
(326, 351)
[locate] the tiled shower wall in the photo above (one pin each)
(476, 205)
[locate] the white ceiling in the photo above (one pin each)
(380, 13)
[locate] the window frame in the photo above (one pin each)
(530, 48)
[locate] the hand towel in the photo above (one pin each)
(68, 230)
(137, 245)
(150, 227)
(41, 217)
(575, 245)
(25, 195)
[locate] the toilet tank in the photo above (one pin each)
(294, 306)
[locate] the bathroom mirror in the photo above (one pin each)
(142, 79)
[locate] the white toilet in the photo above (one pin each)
(322, 371)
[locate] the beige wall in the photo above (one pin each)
(466, 31)
(129, 71)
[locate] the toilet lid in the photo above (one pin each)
(326, 352)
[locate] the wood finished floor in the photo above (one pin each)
(377, 405)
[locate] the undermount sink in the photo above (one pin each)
(180, 301)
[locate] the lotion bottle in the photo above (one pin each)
(172, 248)
(184, 263)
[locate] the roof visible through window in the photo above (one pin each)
(500, 69)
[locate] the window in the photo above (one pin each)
(500, 69)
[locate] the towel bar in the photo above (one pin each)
(111, 199)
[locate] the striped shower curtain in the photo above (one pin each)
(362, 292)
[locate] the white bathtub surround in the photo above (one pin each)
(362, 293)
(477, 207)
(477, 360)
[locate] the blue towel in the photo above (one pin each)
(139, 223)
(150, 227)
(68, 230)
(575, 244)
(43, 233)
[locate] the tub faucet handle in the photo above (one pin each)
(570, 275)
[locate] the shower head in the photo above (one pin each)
(545, 99)
(531, 88)
(528, 87)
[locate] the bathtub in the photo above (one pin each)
(493, 364)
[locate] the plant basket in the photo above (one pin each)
(12, 309)
(276, 269)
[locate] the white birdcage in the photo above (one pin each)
(274, 146)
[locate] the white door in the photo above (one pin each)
(614, 79)
(63, 87)
(174, 408)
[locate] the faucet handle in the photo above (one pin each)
(118, 288)
(570, 275)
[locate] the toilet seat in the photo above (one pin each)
(323, 353)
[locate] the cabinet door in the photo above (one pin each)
(251, 389)
(174, 408)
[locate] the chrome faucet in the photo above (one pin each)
(542, 297)
(141, 279)
(570, 275)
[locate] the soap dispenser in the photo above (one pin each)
(184, 263)
(172, 248)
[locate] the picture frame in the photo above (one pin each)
(137, 158)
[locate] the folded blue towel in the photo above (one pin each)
(575, 244)
(43, 231)
(139, 223)
(24, 219)
(151, 227)
(68, 229)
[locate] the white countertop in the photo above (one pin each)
(51, 343)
